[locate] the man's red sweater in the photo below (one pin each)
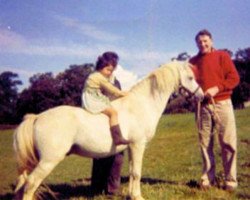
(216, 69)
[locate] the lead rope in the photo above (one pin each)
(215, 115)
(212, 111)
(198, 116)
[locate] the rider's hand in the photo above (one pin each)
(125, 93)
(211, 92)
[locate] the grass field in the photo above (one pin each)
(171, 165)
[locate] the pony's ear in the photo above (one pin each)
(157, 81)
(153, 81)
(152, 75)
(29, 115)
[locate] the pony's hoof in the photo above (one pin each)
(138, 198)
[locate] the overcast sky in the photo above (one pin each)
(39, 36)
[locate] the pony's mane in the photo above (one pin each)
(165, 75)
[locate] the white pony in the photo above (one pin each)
(42, 141)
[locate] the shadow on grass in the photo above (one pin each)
(60, 191)
(67, 191)
(80, 189)
(6, 196)
(151, 181)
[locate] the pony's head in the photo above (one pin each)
(188, 86)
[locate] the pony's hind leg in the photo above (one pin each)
(41, 171)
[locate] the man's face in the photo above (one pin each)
(204, 44)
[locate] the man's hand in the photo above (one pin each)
(211, 92)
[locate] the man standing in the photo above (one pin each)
(106, 175)
(106, 172)
(217, 76)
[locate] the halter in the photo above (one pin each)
(187, 93)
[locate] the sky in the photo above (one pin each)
(38, 36)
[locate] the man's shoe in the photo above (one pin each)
(229, 188)
(205, 185)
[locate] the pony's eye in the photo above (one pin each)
(191, 78)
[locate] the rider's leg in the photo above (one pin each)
(115, 128)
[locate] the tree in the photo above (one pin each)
(47, 91)
(8, 96)
(72, 82)
(184, 56)
(242, 91)
(243, 54)
(42, 94)
(230, 53)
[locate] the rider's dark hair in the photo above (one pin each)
(107, 58)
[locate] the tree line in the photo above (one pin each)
(46, 90)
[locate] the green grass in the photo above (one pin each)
(171, 165)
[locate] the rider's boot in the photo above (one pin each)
(117, 136)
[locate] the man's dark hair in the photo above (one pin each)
(203, 32)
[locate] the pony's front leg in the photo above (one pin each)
(136, 151)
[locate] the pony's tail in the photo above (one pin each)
(26, 155)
